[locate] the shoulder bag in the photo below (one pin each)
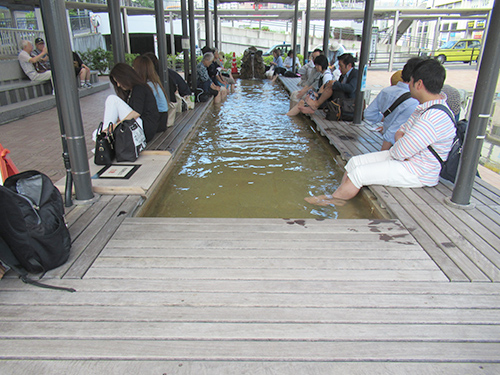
(129, 140)
(104, 150)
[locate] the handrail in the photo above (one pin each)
(10, 39)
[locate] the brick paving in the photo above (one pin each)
(35, 142)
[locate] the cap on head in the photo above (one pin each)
(39, 40)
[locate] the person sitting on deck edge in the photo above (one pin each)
(397, 115)
(408, 163)
(345, 87)
(325, 77)
(206, 87)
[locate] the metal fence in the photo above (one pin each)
(10, 39)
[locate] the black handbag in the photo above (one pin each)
(104, 148)
(340, 109)
(129, 140)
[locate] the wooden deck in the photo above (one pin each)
(465, 244)
(227, 296)
(274, 296)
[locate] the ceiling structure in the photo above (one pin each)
(278, 14)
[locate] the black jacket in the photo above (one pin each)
(349, 88)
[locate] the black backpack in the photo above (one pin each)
(449, 168)
(32, 228)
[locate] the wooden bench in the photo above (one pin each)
(464, 243)
(172, 138)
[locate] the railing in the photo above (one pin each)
(10, 39)
(80, 23)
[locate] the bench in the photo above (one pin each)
(172, 138)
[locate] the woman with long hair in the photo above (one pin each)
(146, 70)
(133, 100)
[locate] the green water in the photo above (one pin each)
(249, 159)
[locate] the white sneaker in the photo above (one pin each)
(88, 85)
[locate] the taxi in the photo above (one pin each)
(465, 50)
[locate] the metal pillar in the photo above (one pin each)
(294, 34)
(162, 44)
(172, 35)
(68, 104)
(486, 27)
(185, 38)
(326, 32)
(437, 34)
(394, 39)
(208, 33)
(363, 59)
(306, 31)
(126, 34)
(192, 42)
(115, 26)
(480, 112)
(216, 26)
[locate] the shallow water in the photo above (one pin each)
(251, 160)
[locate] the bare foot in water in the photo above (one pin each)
(325, 200)
(307, 110)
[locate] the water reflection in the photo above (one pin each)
(250, 160)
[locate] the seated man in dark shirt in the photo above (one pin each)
(345, 87)
(81, 70)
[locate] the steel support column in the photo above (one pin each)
(294, 34)
(216, 26)
(115, 26)
(185, 38)
(394, 40)
(326, 33)
(363, 58)
(68, 102)
(192, 42)
(480, 112)
(208, 33)
(162, 44)
(306, 31)
(172, 35)
(126, 34)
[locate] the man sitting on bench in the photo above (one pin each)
(409, 163)
(27, 62)
(345, 87)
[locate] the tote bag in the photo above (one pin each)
(129, 141)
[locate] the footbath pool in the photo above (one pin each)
(249, 160)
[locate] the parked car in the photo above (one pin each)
(285, 47)
(465, 50)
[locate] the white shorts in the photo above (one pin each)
(380, 168)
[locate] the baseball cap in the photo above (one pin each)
(39, 40)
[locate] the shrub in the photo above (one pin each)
(130, 57)
(98, 59)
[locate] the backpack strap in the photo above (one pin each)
(445, 109)
(397, 102)
(9, 259)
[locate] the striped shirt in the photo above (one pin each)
(433, 127)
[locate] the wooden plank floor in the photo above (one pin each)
(465, 244)
(229, 296)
